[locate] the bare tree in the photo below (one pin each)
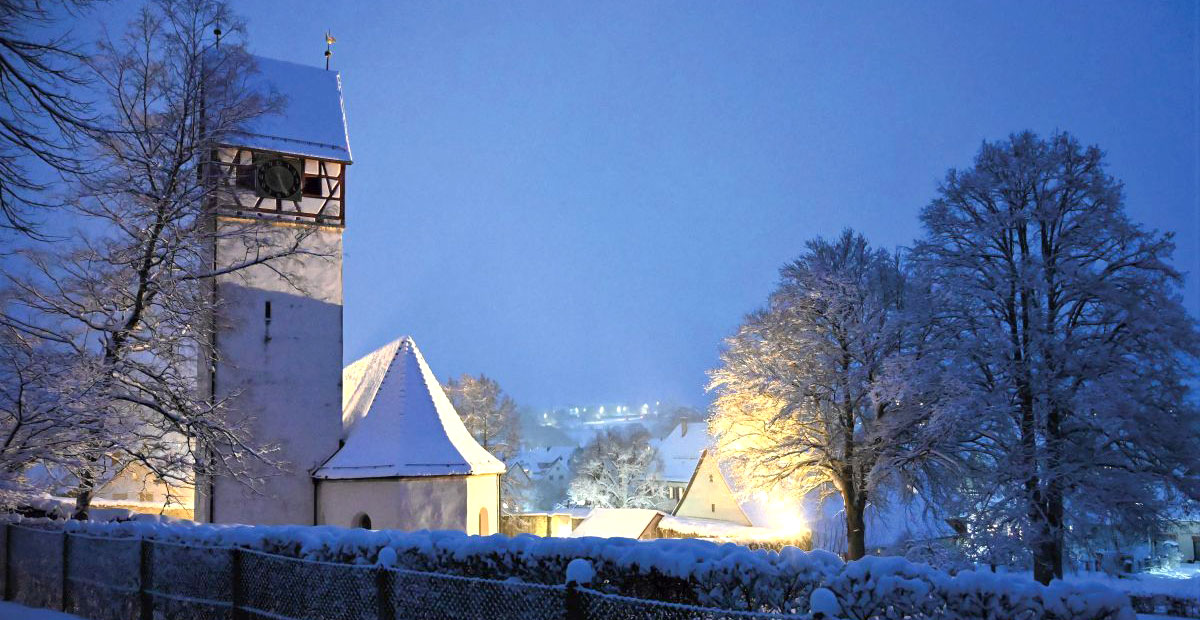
(42, 112)
(43, 412)
(488, 413)
(134, 295)
(1064, 321)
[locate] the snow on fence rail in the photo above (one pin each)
(140, 578)
(146, 568)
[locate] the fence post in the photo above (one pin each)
(385, 609)
(145, 570)
(8, 593)
(66, 570)
(574, 603)
(237, 588)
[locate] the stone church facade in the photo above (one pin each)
(276, 355)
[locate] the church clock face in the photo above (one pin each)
(279, 178)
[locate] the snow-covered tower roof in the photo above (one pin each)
(398, 422)
(312, 121)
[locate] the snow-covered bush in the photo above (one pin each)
(677, 570)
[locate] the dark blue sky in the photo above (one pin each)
(582, 199)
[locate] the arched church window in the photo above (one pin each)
(363, 520)
(483, 522)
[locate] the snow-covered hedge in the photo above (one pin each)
(678, 570)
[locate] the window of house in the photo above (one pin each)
(483, 522)
(363, 521)
(714, 507)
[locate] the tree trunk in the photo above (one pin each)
(1054, 502)
(83, 501)
(856, 531)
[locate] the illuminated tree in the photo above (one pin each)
(811, 394)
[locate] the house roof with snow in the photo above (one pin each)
(712, 528)
(541, 460)
(398, 422)
(680, 451)
(312, 121)
(636, 523)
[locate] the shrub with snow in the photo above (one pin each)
(580, 571)
(678, 570)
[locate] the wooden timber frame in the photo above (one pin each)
(242, 201)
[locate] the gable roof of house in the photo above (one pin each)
(398, 422)
(705, 457)
(312, 121)
(680, 451)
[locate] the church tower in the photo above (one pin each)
(276, 353)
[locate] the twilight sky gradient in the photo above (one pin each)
(581, 199)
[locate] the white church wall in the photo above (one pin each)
(483, 493)
(426, 503)
(283, 372)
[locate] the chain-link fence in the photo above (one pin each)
(139, 579)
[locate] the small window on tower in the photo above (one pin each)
(714, 507)
(267, 311)
(244, 177)
(314, 186)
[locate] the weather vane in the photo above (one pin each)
(329, 41)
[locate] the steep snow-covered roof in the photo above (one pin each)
(312, 121)
(401, 423)
(361, 380)
(680, 451)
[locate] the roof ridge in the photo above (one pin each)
(386, 371)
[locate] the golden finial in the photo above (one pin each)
(329, 41)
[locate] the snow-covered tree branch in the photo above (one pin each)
(132, 299)
(616, 469)
(816, 392)
(1063, 319)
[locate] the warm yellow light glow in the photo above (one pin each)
(783, 515)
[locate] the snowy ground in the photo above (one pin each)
(1183, 581)
(13, 611)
